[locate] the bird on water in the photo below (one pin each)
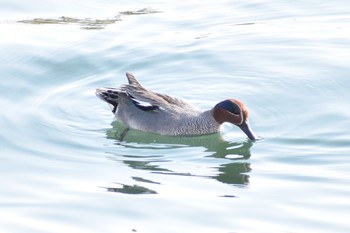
(145, 110)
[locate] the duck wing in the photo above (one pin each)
(154, 100)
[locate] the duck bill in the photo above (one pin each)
(245, 127)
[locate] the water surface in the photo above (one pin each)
(64, 167)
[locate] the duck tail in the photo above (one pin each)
(109, 95)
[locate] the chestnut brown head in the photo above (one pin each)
(234, 112)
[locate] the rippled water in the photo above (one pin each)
(63, 167)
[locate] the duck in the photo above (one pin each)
(141, 109)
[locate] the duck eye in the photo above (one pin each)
(235, 109)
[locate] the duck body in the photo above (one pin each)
(168, 123)
(142, 109)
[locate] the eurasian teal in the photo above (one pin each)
(142, 109)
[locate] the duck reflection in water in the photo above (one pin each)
(230, 158)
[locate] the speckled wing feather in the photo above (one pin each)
(137, 91)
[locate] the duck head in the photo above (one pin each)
(235, 112)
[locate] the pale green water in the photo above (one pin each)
(63, 168)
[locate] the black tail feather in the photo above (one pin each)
(110, 96)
